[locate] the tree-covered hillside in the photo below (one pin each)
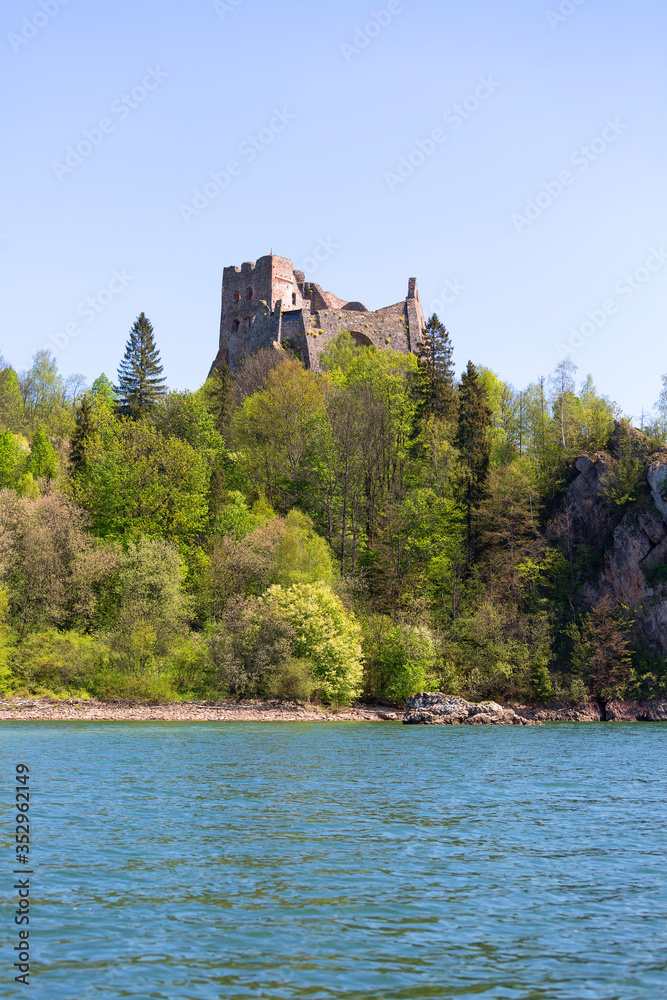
(368, 531)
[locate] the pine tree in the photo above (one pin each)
(139, 383)
(435, 358)
(472, 441)
(84, 431)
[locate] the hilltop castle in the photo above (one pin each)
(269, 304)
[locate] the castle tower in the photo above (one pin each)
(268, 303)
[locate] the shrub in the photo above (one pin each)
(293, 681)
(324, 633)
(61, 662)
(399, 659)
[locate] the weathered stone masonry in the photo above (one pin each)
(268, 304)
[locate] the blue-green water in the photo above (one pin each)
(242, 860)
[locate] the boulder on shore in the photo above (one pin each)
(436, 709)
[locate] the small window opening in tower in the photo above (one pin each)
(248, 321)
(293, 298)
(249, 293)
(235, 326)
(237, 296)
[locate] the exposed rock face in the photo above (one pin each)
(585, 517)
(449, 710)
(638, 540)
(636, 711)
(657, 478)
(588, 711)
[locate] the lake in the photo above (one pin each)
(328, 860)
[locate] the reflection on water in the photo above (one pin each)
(195, 861)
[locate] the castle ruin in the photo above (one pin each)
(269, 304)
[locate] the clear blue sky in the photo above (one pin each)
(352, 104)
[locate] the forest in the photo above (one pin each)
(365, 532)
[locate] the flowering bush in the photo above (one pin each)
(324, 633)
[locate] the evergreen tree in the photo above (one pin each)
(472, 441)
(139, 383)
(435, 358)
(84, 431)
(219, 392)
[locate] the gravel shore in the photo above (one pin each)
(89, 710)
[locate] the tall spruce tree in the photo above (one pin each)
(140, 385)
(435, 359)
(84, 431)
(219, 391)
(472, 441)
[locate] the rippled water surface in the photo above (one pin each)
(242, 860)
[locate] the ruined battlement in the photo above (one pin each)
(268, 304)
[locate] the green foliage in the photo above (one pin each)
(437, 390)
(235, 520)
(84, 433)
(601, 650)
(145, 484)
(275, 428)
(472, 441)
(151, 606)
(399, 660)
(324, 633)
(6, 674)
(293, 681)
(43, 458)
(11, 401)
(63, 663)
(11, 460)
(626, 479)
(218, 395)
(302, 556)
(184, 415)
(103, 394)
(339, 353)
(540, 679)
(140, 385)
(191, 552)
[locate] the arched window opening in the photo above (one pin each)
(293, 298)
(235, 326)
(237, 296)
(249, 293)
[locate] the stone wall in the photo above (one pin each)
(265, 303)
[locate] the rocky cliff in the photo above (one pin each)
(633, 543)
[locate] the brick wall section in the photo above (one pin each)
(285, 306)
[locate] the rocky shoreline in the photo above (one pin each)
(427, 709)
(449, 710)
(90, 710)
